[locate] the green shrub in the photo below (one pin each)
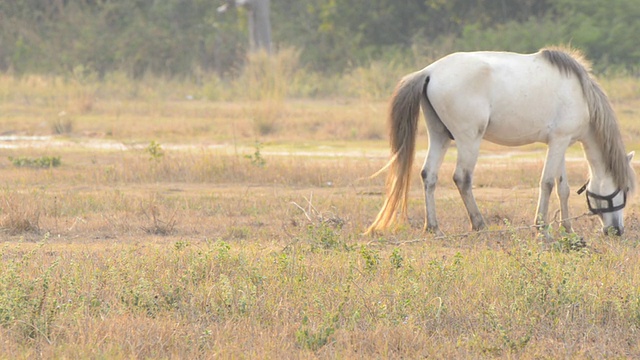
(41, 162)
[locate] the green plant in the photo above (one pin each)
(155, 151)
(325, 236)
(256, 158)
(313, 339)
(396, 258)
(222, 249)
(569, 242)
(28, 303)
(371, 258)
(41, 162)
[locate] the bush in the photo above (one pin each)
(41, 162)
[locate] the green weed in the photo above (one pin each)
(155, 151)
(40, 162)
(312, 338)
(396, 259)
(27, 301)
(371, 258)
(323, 236)
(256, 158)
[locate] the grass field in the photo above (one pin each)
(177, 227)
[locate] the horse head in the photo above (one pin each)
(607, 199)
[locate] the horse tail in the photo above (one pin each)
(601, 115)
(404, 113)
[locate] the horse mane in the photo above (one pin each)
(601, 115)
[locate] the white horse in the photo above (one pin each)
(509, 99)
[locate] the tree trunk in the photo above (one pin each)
(259, 25)
(258, 12)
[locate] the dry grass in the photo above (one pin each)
(21, 214)
(201, 253)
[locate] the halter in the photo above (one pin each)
(607, 198)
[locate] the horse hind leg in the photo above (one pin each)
(438, 144)
(463, 178)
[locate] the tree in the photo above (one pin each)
(259, 21)
(181, 37)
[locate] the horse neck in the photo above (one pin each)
(598, 169)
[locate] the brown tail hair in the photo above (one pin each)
(404, 113)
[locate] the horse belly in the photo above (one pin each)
(516, 130)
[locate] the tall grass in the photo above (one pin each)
(374, 82)
(263, 78)
(265, 81)
(19, 213)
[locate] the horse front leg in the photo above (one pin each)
(563, 191)
(463, 178)
(438, 145)
(553, 169)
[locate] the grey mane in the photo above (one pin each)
(567, 61)
(602, 117)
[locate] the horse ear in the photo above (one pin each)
(630, 156)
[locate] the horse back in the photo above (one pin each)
(507, 98)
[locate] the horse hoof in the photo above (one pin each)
(479, 227)
(434, 231)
